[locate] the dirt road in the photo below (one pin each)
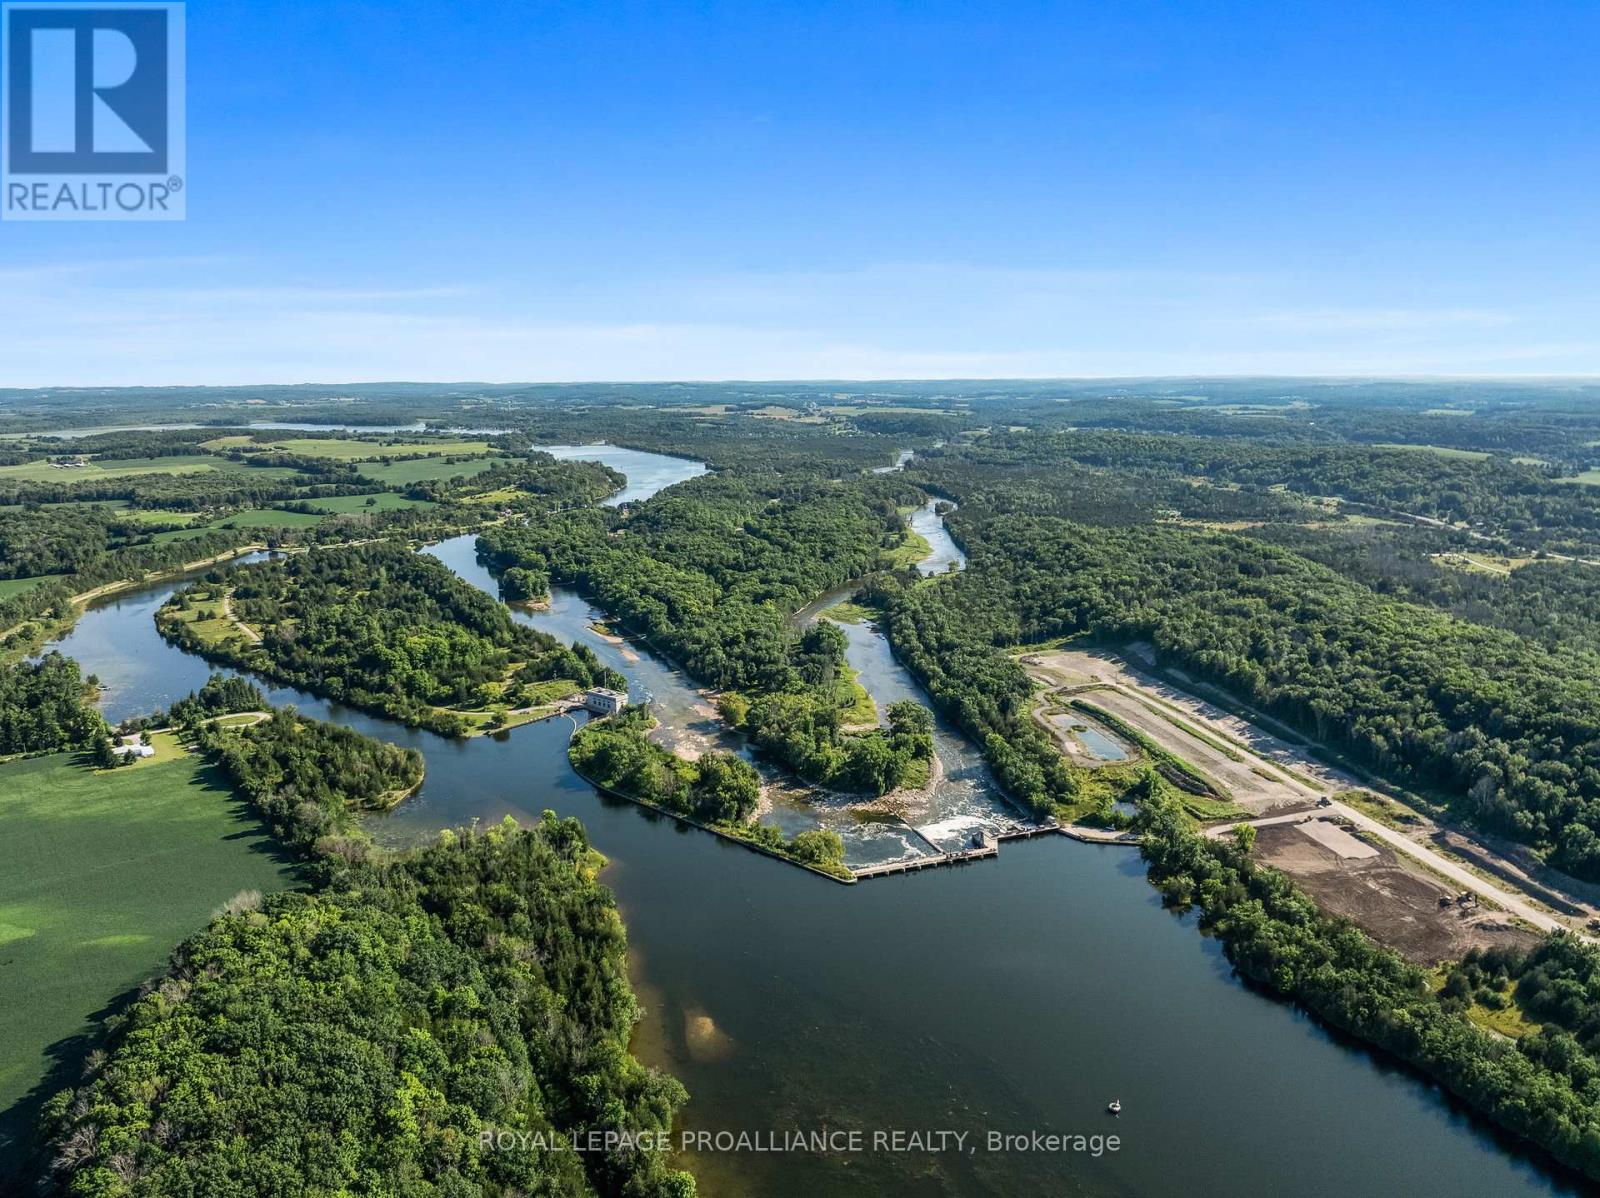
(1509, 901)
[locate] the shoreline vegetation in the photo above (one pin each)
(491, 956)
(1288, 564)
(54, 622)
(710, 576)
(719, 793)
(387, 630)
(1540, 1086)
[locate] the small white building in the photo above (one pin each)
(131, 746)
(602, 701)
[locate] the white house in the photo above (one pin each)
(604, 702)
(130, 746)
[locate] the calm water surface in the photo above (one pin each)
(1014, 995)
(946, 554)
(647, 473)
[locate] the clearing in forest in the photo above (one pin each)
(1256, 771)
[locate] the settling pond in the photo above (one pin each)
(1013, 995)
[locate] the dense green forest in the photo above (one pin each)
(712, 574)
(1497, 496)
(27, 616)
(361, 1039)
(380, 627)
(43, 708)
(719, 790)
(309, 779)
(1508, 729)
(950, 633)
(1379, 566)
(1544, 1087)
(535, 482)
(1556, 603)
(36, 540)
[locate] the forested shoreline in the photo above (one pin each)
(363, 1037)
(712, 575)
(379, 627)
(1406, 606)
(1544, 1087)
(718, 791)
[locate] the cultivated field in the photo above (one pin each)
(344, 450)
(265, 517)
(181, 464)
(17, 586)
(384, 501)
(102, 874)
(419, 470)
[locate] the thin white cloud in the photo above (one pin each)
(200, 321)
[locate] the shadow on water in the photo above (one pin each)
(1014, 995)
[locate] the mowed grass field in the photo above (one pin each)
(343, 450)
(1444, 451)
(181, 464)
(266, 517)
(399, 474)
(384, 501)
(17, 586)
(102, 875)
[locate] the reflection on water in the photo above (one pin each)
(688, 718)
(1101, 745)
(1013, 996)
(946, 555)
(962, 801)
(647, 473)
(1097, 743)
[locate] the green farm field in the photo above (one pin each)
(345, 450)
(18, 586)
(266, 517)
(181, 464)
(384, 501)
(1443, 451)
(102, 875)
(400, 474)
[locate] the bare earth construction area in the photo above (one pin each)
(1395, 886)
(1255, 771)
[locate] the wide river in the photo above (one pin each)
(1010, 996)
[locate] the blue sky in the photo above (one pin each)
(528, 191)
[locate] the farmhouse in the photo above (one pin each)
(130, 746)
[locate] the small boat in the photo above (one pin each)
(1115, 1106)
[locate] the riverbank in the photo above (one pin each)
(764, 839)
(855, 1008)
(81, 601)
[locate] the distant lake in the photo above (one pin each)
(647, 473)
(1014, 995)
